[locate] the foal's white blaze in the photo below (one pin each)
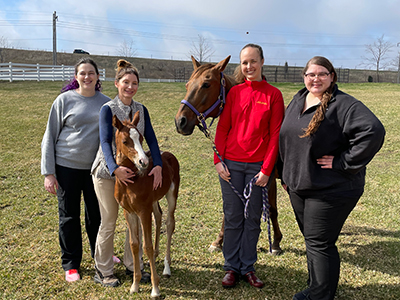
(141, 157)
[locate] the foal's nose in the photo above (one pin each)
(143, 162)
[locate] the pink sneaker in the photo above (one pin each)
(116, 260)
(72, 275)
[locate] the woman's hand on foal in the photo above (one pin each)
(124, 174)
(157, 172)
(51, 184)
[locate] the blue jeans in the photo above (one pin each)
(241, 234)
(72, 183)
(320, 219)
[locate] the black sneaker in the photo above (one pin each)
(110, 280)
(303, 295)
(146, 277)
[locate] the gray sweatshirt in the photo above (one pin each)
(71, 138)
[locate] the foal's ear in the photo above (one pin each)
(196, 64)
(222, 64)
(135, 119)
(117, 123)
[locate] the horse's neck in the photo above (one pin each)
(230, 82)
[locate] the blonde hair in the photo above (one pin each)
(125, 67)
(239, 77)
(319, 114)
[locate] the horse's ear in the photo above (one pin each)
(196, 64)
(117, 123)
(222, 64)
(135, 119)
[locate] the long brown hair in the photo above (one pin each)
(326, 97)
(239, 77)
(125, 67)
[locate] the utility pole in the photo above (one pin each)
(398, 69)
(54, 39)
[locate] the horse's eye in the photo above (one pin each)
(205, 85)
(124, 142)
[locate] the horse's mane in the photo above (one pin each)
(201, 69)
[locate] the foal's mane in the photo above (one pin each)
(128, 124)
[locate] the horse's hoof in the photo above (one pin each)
(214, 249)
(155, 293)
(276, 252)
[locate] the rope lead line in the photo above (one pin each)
(247, 195)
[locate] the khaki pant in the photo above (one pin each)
(105, 238)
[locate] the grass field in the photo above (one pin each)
(30, 265)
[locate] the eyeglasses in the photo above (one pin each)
(312, 76)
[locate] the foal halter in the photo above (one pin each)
(202, 116)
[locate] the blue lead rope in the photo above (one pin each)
(247, 194)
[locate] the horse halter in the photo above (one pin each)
(202, 116)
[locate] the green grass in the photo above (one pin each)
(30, 265)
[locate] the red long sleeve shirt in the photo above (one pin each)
(248, 128)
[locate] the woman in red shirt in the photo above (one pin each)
(247, 139)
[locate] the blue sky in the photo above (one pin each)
(290, 31)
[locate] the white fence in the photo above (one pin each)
(13, 71)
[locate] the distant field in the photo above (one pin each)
(30, 265)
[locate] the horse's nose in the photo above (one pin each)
(181, 123)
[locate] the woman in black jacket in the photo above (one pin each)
(326, 140)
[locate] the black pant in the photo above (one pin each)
(73, 182)
(320, 219)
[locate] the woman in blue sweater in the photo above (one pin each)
(326, 140)
(105, 169)
(68, 149)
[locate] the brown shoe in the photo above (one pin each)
(230, 279)
(253, 280)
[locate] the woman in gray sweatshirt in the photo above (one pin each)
(69, 147)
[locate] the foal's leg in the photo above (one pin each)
(145, 218)
(133, 226)
(157, 212)
(217, 244)
(171, 198)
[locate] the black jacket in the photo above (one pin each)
(350, 132)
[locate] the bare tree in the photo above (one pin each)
(3, 44)
(201, 50)
(126, 49)
(376, 55)
(396, 63)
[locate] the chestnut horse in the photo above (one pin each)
(139, 199)
(206, 91)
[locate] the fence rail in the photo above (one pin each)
(15, 71)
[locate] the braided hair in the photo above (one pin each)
(319, 114)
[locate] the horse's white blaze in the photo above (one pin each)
(134, 134)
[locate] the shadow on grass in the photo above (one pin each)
(378, 255)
